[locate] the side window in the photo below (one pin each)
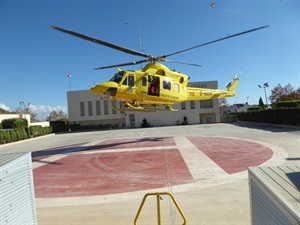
(131, 80)
(144, 81)
(167, 85)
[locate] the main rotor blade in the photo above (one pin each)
(190, 64)
(123, 64)
(98, 41)
(221, 39)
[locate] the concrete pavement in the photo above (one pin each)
(101, 177)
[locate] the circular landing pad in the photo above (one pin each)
(135, 164)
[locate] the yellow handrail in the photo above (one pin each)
(158, 194)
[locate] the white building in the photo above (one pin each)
(86, 108)
(241, 107)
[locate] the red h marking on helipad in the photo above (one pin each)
(232, 155)
(112, 172)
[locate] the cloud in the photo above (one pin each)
(42, 109)
(3, 106)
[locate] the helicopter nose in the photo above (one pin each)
(106, 89)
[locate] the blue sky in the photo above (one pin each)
(35, 58)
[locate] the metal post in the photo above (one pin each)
(266, 96)
(158, 209)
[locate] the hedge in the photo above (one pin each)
(281, 116)
(18, 134)
(288, 104)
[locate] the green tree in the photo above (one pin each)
(261, 103)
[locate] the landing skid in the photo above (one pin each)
(146, 108)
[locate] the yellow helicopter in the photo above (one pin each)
(155, 86)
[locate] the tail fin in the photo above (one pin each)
(231, 86)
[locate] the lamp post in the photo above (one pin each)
(264, 86)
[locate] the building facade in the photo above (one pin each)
(88, 109)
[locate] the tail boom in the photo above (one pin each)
(204, 93)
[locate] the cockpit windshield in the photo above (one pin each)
(117, 77)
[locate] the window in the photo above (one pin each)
(131, 120)
(114, 104)
(131, 80)
(124, 81)
(82, 112)
(121, 106)
(167, 85)
(117, 77)
(183, 105)
(98, 108)
(208, 120)
(90, 108)
(106, 110)
(192, 104)
(204, 104)
(144, 81)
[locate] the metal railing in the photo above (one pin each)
(158, 198)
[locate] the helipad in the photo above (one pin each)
(101, 177)
(135, 164)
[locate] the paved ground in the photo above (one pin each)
(101, 177)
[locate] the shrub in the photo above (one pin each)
(36, 131)
(14, 123)
(13, 135)
(1, 137)
(7, 137)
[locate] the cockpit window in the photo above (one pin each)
(117, 77)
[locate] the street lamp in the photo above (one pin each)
(265, 85)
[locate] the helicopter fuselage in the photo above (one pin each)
(155, 84)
